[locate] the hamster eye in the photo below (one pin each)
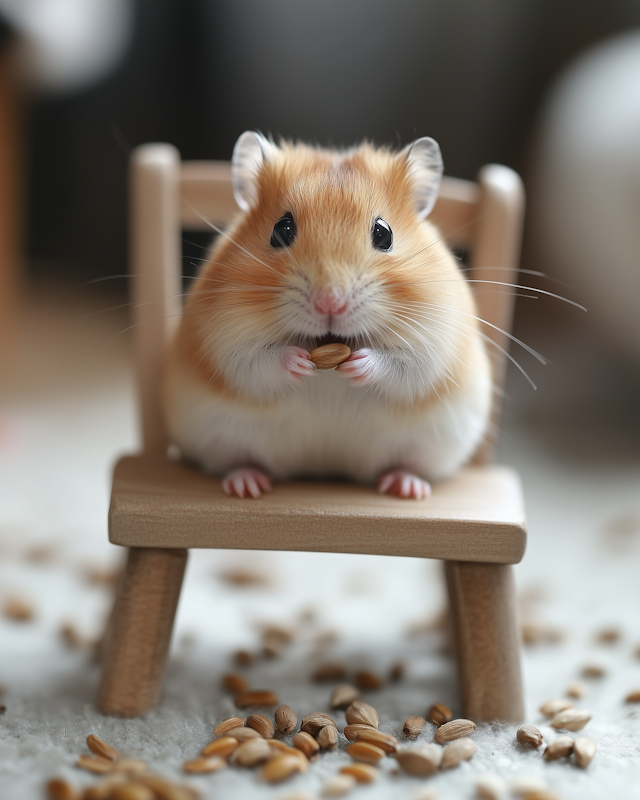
(381, 235)
(284, 231)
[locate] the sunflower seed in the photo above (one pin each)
(412, 726)
(286, 720)
(260, 697)
(559, 748)
(251, 752)
(329, 672)
(228, 724)
(363, 773)
(204, 765)
(553, 707)
(306, 743)
(368, 681)
(384, 741)
(242, 734)
(234, 683)
(314, 722)
(100, 748)
(132, 791)
(529, 734)
(343, 695)
(584, 749)
(572, 719)
(338, 786)
(365, 752)
(281, 767)
(57, 789)
(360, 713)
(490, 787)
(439, 714)
(98, 764)
(459, 750)
(593, 671)
(222, 747)
(455, 729)
(352, 731)
(421, 760)
(576, 689)
(328, 737)
(262, 724)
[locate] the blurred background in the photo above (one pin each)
(550, 88)
(93, 78)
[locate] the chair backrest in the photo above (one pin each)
(483, 218)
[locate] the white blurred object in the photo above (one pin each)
(586, 192)
(67, 44)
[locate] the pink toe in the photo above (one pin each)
(251, 486)
(263, 481)
(403, 484)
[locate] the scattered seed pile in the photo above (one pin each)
(278, 751)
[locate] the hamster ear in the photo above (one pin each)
(249, 154)
(425, 168)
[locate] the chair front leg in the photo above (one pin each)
(139, 634)
(487, 641)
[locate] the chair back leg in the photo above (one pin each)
(487, 642)
(139, 635)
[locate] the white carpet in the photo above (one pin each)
(67, 410)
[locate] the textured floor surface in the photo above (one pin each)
(67, 411)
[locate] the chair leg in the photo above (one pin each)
(487, 641)
(140, 631)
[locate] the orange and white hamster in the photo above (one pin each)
(329, 246)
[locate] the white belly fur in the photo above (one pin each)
(327, 427)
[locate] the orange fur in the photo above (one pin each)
(334, 197)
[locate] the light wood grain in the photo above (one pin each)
(476, 516)
(483, 607)
(495, 255)
(156, 271)
(140, 629)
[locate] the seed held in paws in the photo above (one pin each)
(330, 356)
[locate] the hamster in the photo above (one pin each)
(329, 246)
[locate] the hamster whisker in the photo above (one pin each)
(513, 338)
(230, 238)
(452, 232)
(430, 331)
(438, 361)
(124, 330)
(501, 349)
(195, 244)
(516, 286)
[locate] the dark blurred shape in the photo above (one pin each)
(200, 72)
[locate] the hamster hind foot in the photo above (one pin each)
(404, 484)
(246, 482)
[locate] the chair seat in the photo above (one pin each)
(478, 515)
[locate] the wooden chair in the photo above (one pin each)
(160, 507)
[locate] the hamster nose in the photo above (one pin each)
(330, 301)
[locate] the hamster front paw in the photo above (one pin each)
(296, 363)
(246, 482)
(362, 367)
(403, 484)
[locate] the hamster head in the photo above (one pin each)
(333, 246)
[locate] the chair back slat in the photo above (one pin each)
(484, 218)
(495, 253)
(155, 261)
